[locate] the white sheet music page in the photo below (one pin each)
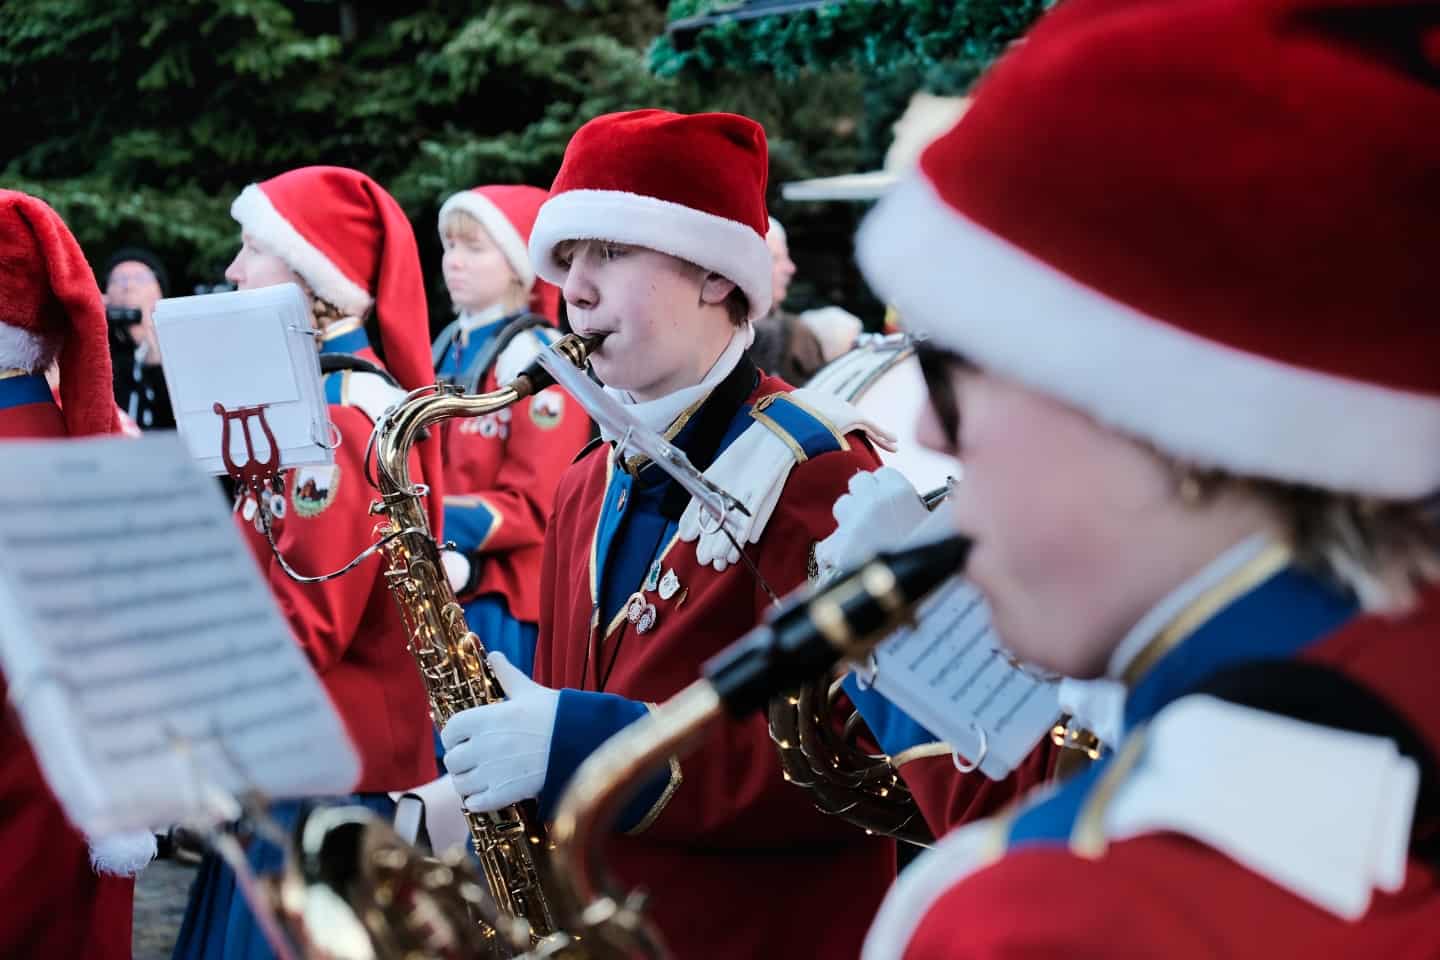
(144, 653)
(245, 348)
(950, 673)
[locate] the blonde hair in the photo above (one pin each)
(1384, 551)
(459, 225)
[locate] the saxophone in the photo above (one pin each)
(509, 842)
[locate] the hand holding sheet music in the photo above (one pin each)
(146, 657)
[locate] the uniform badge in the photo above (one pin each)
(669, 584)
(546, 408)
(640, 612)
(313, 489)
(652, 579)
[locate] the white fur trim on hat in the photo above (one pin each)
(501, 230)
(258, 216)
(23, 350)
(1206, 403)
(726, 247)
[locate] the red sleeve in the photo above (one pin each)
(327, 523)
(545, 433)
(733, 791)
(948, 798)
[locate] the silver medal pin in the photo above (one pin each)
(669, 584)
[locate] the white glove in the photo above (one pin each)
(122, 854)
(457, 568)
(879, 513)
(1097, 705)
(753, 469)
(497, 754)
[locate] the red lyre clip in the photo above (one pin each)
(254, 473)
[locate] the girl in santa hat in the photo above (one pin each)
(1182, 339)
(62, 898)
(501, 470)
(655, 229)
(345, 241)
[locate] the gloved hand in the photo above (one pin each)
(457, 569)
(878, 513)
(122, 854)
(754, 468)
(497, 754)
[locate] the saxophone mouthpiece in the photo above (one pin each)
(572, 347)
(815, 628)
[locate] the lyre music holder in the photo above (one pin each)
(254, 473)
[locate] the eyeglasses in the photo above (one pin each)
(936, 367)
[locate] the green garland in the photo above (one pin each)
(876, 37)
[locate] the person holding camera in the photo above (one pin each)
(134, 281)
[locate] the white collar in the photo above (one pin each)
(660, 413)
(1211, 575)
(470, 322)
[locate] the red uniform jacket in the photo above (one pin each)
(350, 627)
(501, 472)
(1162, 894)
(54, 904)
(737, 862)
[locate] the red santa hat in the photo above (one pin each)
(692, 186)
(348, 239)
(50, 308)
(1210, 225)
(507, 212)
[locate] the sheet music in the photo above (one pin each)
(243, 348)
(145, 654)
(951, 674)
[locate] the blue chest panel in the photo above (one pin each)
(24, 390)
(460, 354)
(634, 529)
(1277, 620)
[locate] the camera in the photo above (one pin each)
(120, 320)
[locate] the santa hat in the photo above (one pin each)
(348, 239)
(507, 212)
(49, 307)
(692, 186)
(1210, 225)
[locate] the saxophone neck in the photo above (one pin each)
(405, 425)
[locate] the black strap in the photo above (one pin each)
(337, 362)
(485, 359)
(1320, 694)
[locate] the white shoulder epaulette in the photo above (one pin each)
(789, 428)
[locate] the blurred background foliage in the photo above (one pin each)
(141, 121)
